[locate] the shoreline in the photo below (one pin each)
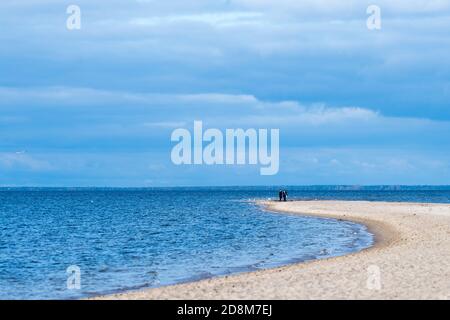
(384, 234)
(411, 252)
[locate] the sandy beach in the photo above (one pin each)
(410, 260)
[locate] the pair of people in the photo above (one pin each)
(282, 194)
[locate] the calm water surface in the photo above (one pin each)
(130, 239)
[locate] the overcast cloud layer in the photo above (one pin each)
(96, 106)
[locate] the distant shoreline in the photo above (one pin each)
(228, 187)
(411, 257)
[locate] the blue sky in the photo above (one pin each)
(96, 106)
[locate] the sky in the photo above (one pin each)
(97, 106)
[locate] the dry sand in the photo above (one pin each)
(412, 253)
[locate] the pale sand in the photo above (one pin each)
(412, 253)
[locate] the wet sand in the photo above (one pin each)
(410, 260)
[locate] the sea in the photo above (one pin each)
(71, 243)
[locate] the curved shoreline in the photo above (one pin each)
(411, 253)
(384, 233)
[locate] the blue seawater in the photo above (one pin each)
(128, 239)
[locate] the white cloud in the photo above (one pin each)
(236, 108)
(220, 19)
(231, 109)
(339, 7)
(166, 124)
(20, 159)
(218, 98)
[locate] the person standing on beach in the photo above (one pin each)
(280, 194)
(284, 195)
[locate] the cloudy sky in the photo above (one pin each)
(96, 106)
